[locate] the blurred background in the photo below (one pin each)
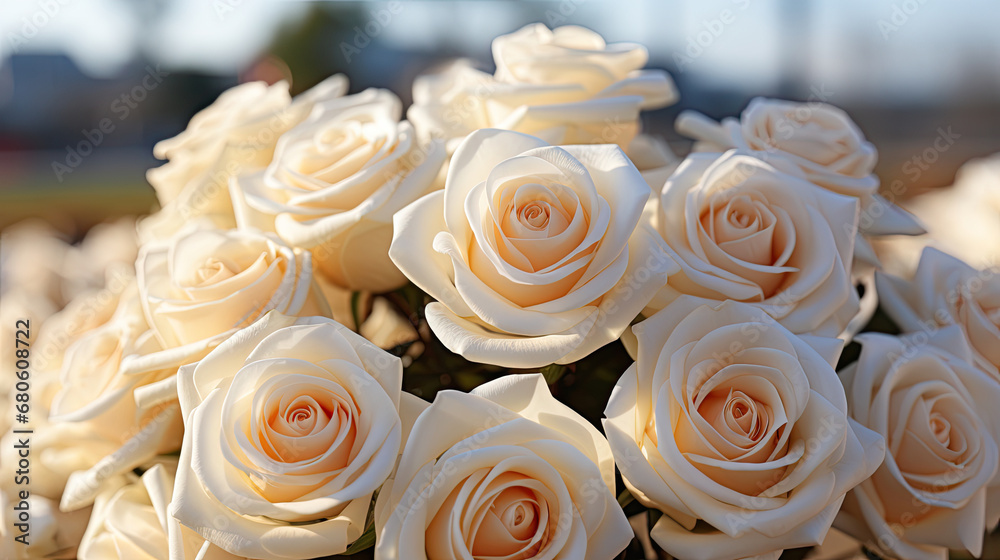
(88, 86)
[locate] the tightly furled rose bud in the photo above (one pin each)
(728, 418)
(745, 230)
(506, 471)
(535, 253)
(290, 426)
(335, 182)
(938, 413)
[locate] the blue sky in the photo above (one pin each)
(853, 43)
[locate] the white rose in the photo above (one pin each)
(946, 291)
(88, 428)
(820, 139)
(504, 472)
(938, 415)
(531, 250)
(290, 427)
(728, 418)
(82, 314)
(334, 183)
(744, 230)
(52, 534)
(132, 522)
(563, 85)
(236, 134)
(200, 287)
(99, 388)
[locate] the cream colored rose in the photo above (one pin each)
(820, 139)
(234, 135)
(88, 427)
(80, 316)
(290, 426)
(334, 183)
(100, 383)
(730, 419)
(946, 291)
(132, 522)
(563, 85)
(200, 287)
(504, 472)
(96, 378)
(744, 230)
(531, 250)
(939, 418)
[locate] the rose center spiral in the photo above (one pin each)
(535, 215)
(211, 272)
(941, 428)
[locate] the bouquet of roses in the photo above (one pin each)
(511, 326)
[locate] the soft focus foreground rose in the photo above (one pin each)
(132, 522)
(744, 230)
(531, 250)
(820, 139)
(946, 291)
(88, 427)
(53, 534)
(99, 387)
(563, 85)
(99, 372)
(938, 414)
(201, 286)
(334, 183)
(504, 472)
(290, 426)
(728, 418)
(236, 134)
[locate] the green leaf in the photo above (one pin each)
(553, 372)
(364, 542)
(367, 539)
(356, 310)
